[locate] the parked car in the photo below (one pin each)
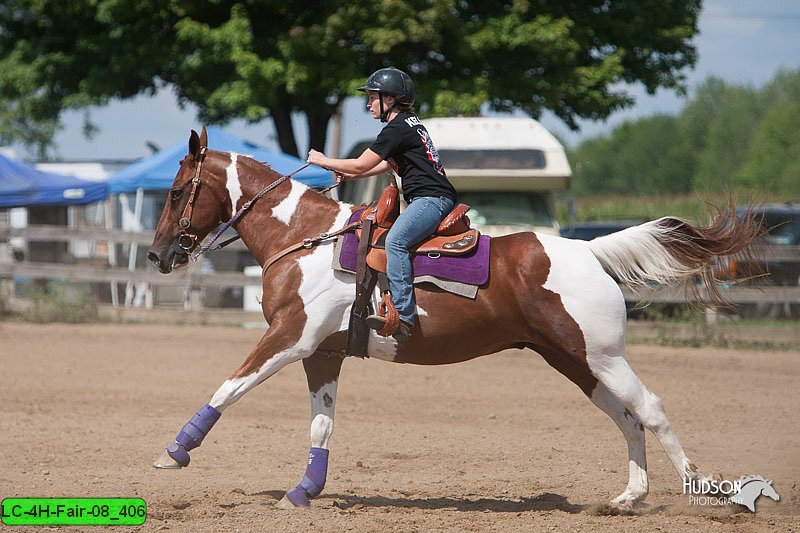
(586, 231)
(781, 224)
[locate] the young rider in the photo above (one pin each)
(405, 146)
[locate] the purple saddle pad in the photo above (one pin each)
(471, 268)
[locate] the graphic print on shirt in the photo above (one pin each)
(433, 154)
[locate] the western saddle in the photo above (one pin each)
(452, 237)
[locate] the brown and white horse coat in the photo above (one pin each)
(546, 293)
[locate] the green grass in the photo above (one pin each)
(717, 342)
(62, 302)
(4, 310)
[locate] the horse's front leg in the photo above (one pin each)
(322, 372)
(277, 348)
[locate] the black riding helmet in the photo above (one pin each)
(392, 82)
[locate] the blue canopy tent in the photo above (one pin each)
(23, 186)
(158, 171)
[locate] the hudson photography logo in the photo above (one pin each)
(743, 491)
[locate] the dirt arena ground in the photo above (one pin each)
(502, 443)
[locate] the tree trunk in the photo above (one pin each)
(318, 120)
(282, 118)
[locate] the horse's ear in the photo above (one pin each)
(204, 138)
(194, 144)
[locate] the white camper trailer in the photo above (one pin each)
(505, 169)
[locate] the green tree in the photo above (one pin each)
(773, 158)
(593, 167)
(772, 162)
(702, 111)
(651, 159)
(645, 156)
(269, 58)
(727, 137)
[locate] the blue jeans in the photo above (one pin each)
(419, 220)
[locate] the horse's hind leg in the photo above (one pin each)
(564, 358)
(633, 431)
(624, 386)
(322, 373)
(276, 349)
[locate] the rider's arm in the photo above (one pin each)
(367, 164)
(380, 168)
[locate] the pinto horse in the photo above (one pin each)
(552, 295)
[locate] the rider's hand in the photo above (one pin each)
(340, 177)
(315, 157)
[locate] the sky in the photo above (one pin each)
(741, 41)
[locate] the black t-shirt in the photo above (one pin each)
(406, 145)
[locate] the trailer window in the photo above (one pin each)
(505, 159)
(507, 208)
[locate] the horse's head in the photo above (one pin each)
(196, 204)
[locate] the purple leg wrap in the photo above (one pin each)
(314, 480)
(192, 434)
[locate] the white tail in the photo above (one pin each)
(638, 256)
(670, 250)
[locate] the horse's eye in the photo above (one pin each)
(175, 194)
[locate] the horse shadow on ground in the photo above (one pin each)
(546, 501)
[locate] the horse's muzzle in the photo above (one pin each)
(172, 257)
(153, 258)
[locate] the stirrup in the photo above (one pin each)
(387, 320)
(402, 332)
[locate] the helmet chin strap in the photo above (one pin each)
(384, 113)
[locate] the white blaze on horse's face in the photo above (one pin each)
(232, 184)
(284, 210)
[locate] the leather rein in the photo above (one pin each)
(186, 240)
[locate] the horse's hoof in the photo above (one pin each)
(286, 503)
(625, 504)
(165, 461)
(617, 509)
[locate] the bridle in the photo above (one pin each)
(186, 241)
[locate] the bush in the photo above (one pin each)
(4, 310)
(62, 302)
